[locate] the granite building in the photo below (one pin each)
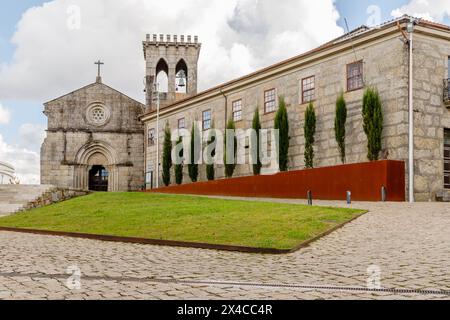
(366, 57)
(94, 141)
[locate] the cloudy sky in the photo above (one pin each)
(47, 48)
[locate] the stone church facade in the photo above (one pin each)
(94, 141)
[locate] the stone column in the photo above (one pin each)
(171, 84)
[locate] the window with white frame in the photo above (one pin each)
(269, 101)
(181, 123)
(237, 110)
(355, 79)
(448, 67)
(308, 89)
(206, 120)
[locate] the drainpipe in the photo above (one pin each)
(226, 107)
(410, 29)
(157, 135)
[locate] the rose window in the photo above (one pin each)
(98, 115)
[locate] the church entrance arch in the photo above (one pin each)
(96, 168)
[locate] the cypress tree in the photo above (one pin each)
(179, 167)
(194, 156)
(229, 168)
(372, 122)
(339, 124)
(310, 130)
(256, 125)
(167, 155)
(282, 124)
(210, 173)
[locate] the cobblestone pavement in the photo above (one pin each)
(410, 244)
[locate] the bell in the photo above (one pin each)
(181, 77)
(182, 83)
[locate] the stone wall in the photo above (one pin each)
(430, 116)
(53, 196)
(57, 169)
(171, 49)
(75, 142)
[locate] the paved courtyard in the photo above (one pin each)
(397, 246)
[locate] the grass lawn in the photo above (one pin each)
(185, 218)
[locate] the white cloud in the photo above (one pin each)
(54, 56)
(31, 136)
(5, 115)
(24, 156)
(433, 10)
(25, 162)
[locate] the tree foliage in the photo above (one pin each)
(210, 171)
(167, 155)
(339, 124)
(372, 122)
(256, 125)
(229, 167)
(179, 167)
(194, 154)
(310, 131)
(282, 124)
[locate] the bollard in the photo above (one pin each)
(383, 194)
(309, 195)
(349, 197)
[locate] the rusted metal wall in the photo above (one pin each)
(364, 180)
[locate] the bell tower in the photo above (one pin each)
(174, 61)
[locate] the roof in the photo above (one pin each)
(347, 37)
(91, 85)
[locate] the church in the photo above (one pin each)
(94, 140)
(100, 139)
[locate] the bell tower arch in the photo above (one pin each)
(181, 55)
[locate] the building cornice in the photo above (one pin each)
(65, 130)
(337, 46)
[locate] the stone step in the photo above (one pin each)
(14, 198)
(6, 209)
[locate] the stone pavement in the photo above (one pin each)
(408, 244)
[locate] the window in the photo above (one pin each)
(308, 89)
(162, 76)
(448, 68)
(181, 123)
(447, 84)
(447, 158)
(97, 114)
(355, 76)
(181, 80)
(269, 101)
(151, 137)
(207, 120)
(237, 110)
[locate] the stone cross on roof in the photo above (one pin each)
(99, 64)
